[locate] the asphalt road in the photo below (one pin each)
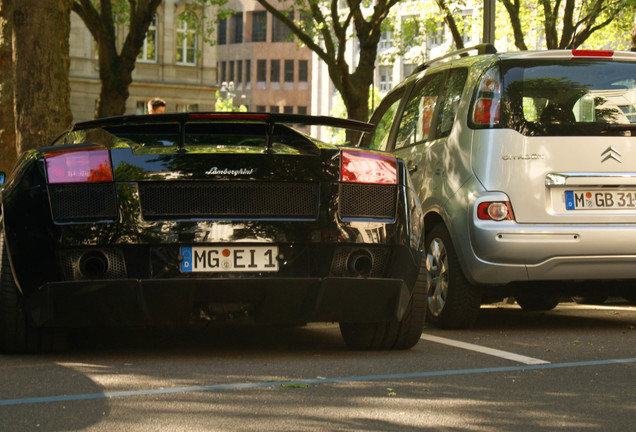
(571, 369)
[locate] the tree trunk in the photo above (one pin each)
(450, 22)
(41, 31)
(513, 8)
(7, 122)
(115, 70)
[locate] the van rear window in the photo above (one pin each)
(569, 98)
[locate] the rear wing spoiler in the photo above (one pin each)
(269, 119)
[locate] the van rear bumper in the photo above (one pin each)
(506, 252)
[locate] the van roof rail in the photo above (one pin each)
(485, 48)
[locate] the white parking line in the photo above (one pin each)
(484, 350)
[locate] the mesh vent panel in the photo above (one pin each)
(367, 200)
(173, 200)
(83, 202)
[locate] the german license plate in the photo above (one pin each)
(593, 200)
(229, 259)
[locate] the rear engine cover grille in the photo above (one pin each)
(182, 200)
(83, 202)
(367, 200)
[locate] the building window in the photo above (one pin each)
(274, 109)
(261, 74)
(436, 37)
(239, 72)
(221, 35)
(303, 75)
(237, 28)
(261, 108)
(386, 40)
(408, 69)
(141, 107)
(274, 72)
(231, 70)
(187, 107)
(386, 78)
(186, 44)
(149, 49)
(280, 32)
(303, 71)
(248, 72)
(259, 26)
(289, 71)
(302, 110)
(288, 109)
(223, 74)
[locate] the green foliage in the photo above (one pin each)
(227, 104)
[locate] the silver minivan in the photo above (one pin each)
(526, 168)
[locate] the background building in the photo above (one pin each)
(175, 65)
(260, 62)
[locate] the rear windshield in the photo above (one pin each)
(570, 97)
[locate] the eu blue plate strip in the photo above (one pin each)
(239, 386)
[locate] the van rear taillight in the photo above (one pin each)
(362, 167)
(496, 210)
(486, 108)
(486, 112)
(85, 165)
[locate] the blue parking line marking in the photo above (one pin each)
(239, 386)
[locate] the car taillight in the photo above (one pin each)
(86, 165)
(486, 108)
(362, 167)
(497, 211)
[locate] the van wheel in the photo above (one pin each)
(453, 302)
(400, 335)
(532, 304)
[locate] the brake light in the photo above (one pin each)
(497, 211)
(592, 53)
(486, 112)
(486, 109)
(86, 165)
(362, 167)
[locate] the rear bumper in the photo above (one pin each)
(507, 252)
(180, 302)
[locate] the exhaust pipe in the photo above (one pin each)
(93, 265)
(360, 263)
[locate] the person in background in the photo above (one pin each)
(156, 106)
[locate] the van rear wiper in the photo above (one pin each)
(620, 126)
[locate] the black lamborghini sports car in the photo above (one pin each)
(210, 218)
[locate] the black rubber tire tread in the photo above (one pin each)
(393, 335)
(537, 304)
(13, 331)
(589, 300)
(463, 298)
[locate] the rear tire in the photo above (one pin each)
(17, 336)
(453, 302)
(13, 334)
(400, 335)
(534, 304)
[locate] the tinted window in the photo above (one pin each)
(418, 113)
(453, 92)
(383, 118)
(575, 97)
